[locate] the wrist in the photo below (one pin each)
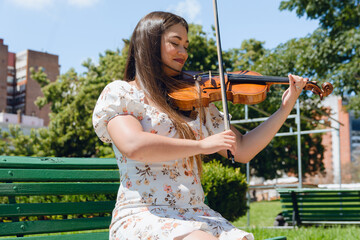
(199, 145)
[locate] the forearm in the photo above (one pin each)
(250, 144)
(148, 147)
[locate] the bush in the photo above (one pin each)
(225, 189)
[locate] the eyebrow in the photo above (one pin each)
(178, 37)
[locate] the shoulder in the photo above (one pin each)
(120, 90)
(118, 86)
(117, 98)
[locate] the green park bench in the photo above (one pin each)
(54, 198)
(320, 206)
(34, 195)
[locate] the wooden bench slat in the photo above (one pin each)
(288, 216)
(321, 200)
(326, 200)
(47, 209)
(340, 211)
(52, 226)
(77, 236)
(313, 190)
(331, 222)
(55, 162)
(55, 175)
(19, 189)
(343, 206)
(322, 218)
(325, 194)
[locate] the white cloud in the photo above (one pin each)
(188, 9)
(83, 3)
(33, 4)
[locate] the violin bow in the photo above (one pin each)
(222, 79)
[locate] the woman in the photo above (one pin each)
(158, 148)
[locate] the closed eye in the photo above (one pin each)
(175, 44)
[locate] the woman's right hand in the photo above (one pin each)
(221, 141)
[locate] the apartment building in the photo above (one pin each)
(18, 91)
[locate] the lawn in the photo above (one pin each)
(262, 216)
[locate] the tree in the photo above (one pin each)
(72, 98)
(336, 17)
(202, 51)
(16, 143)
(333, 52)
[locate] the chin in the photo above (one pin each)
(172, 72)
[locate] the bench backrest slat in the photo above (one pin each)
(332, 206)
(34, 189)
(49, 226)
(57, 175)
(92, 236)
(54, 162)
(37, 209)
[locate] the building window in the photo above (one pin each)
(355, 138)
(10, 79)
(10, 90)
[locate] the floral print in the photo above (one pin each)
(160, 200)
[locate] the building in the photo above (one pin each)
(18, 91)
(3, 75)
(342, 145)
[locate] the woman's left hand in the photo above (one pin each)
(293, 92)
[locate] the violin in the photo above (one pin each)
(242, 87)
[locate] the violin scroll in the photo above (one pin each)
(325, 90)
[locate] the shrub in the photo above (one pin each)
(225, 189)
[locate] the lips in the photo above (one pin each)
(180, 60)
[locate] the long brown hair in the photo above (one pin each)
(144, 63)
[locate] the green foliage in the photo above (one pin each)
(334, 16)
(332, 53)
(16, 143)
(223, 186)
(244, 58)
(72, 98)
(203, 52)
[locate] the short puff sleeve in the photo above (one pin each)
(117, 98)
(214, 120)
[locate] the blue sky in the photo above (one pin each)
(80, 29)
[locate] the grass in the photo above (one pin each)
(262, 216)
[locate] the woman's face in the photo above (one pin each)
(174, 44)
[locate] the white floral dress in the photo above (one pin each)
(158, 200)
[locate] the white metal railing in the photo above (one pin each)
(298, 133)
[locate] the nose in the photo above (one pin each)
(183, 51)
